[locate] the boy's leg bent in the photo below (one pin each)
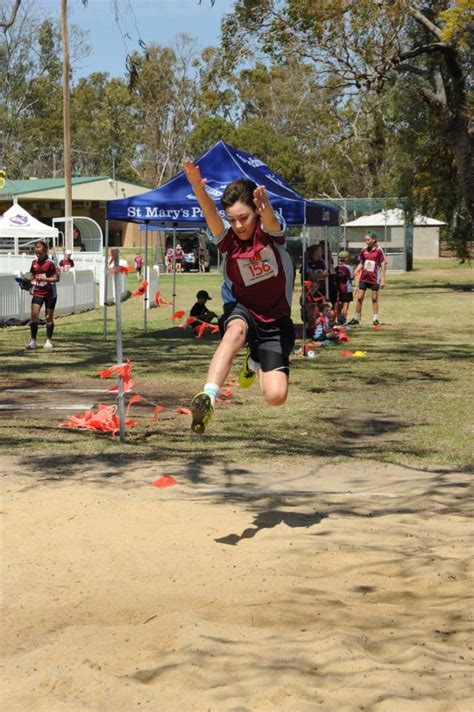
(235, 336)
(274, 387)
(275, 343)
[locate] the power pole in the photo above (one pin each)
(114, 156)
(66, 128)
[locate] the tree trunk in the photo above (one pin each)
(462, 146)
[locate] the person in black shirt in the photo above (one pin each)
(200, 310)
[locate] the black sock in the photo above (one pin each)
(34, 330)
(49, 331)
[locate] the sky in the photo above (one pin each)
(157, 21)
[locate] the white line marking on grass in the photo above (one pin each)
(291, 493)
(13, 406)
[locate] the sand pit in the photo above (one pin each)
(283, 587)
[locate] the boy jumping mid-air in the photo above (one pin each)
(259, 274)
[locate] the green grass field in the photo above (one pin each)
(406, 403)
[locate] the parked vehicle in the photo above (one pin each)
(195, 251)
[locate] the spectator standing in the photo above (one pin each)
(179, 258)
(138, 262)
(371, 274)
(344, 276)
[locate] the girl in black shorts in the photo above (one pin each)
(44, 275)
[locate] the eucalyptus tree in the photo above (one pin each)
(366, 48)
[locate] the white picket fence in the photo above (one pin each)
(14, 264)
(153, 285)
(76, 293)
(76, 288)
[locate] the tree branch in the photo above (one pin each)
(8, 23)
(423, 20)
(426, 49)
(411, 69)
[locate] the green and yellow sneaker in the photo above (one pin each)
(202, 411)
(246, 376)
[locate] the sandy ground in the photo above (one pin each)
(283, 587)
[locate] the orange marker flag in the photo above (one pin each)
(141, 289)
(200, 330)
(121, 369)
(158, 409)
(133, 399)
(159, 301)
(105, 420)
(183, 411)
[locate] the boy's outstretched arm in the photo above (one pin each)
(208, 207)
(270, 222)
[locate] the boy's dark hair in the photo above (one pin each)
(41, 242)
(239, 190)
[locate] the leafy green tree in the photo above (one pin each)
(104, 118)
(368, 47)
(31, 94)
(166, 89)
(207, 131)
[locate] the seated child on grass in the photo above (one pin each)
(324, 327)
(200, 310)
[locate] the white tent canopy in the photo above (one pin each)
(391, 218)
(17, 222)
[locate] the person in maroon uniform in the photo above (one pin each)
(371, 274)
(44, 274)
(179, 258)
(67, 262)
(344, 275)
(257, 291)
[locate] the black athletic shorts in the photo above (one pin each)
(270, 343)
(346, 298)
(369, 285)
(49, 302)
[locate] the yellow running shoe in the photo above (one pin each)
(202, 411)
(246, 376)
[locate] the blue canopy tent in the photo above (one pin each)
(174, 205)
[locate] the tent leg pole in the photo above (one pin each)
(326, 255)
(174, 270)
(106, 280)
(118, 337)
(303, 289)
(145, 295)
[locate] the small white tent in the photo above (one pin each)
(390, 225)
(18, 227)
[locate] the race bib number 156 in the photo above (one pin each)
(259, 268)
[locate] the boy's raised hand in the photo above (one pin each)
(193, 174)
(260, 198)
